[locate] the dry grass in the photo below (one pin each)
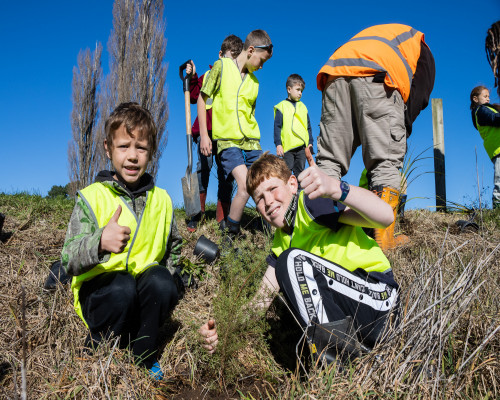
(446, 347)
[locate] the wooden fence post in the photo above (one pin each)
(439, 168)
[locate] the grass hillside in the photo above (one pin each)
(446, 347)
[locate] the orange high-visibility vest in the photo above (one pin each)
(391, 48)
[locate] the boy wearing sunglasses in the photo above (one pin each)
(234, 88)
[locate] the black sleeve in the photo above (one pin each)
(486, 117)
(271, 260)
(278, 123)
(309, 129)
(325, 212)
(421, 87)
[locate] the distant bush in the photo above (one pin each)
(57, 190)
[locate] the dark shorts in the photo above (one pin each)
(234, 157)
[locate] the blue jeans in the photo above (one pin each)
(203, 169)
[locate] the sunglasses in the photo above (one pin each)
(268, 47)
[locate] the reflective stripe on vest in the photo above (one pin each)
(149, 233)
(349, 247)
(490, 136)
(294, 131)
(393, 49)
(233, 105)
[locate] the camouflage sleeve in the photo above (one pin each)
(81, 246)
(212, 83)
(174, 246)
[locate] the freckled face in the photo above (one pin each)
(129, 155)
(272, 198)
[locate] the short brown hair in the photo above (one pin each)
(133, 116)
(232, 43)
(267, 166)
(257, 37)
(295, 79)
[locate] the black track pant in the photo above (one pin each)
(117, 304)
(295, 160)
(320, 291)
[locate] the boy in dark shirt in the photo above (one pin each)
(292, 127)
(334, 277)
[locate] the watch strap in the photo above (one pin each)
(344, 186)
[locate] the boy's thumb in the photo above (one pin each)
(211, 324)
(116, 215)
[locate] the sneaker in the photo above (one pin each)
(155, 372)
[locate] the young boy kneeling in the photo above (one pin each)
(121, 238)
(334, 277)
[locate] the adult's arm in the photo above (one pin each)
(421, 87)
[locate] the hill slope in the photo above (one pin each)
(446, 347)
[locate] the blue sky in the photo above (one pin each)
(40, 42)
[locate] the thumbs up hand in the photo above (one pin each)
(114, 237)
(316, 183)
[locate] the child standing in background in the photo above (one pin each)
(486, 119)
(231, 47)
(292, 127)
(234, 88)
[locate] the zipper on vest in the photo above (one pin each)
(136, 229)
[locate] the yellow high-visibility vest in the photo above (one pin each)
(490, 136)
(294, 131)
(348, 247)
(233, 105)
(149, 232)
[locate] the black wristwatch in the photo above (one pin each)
(344, 186)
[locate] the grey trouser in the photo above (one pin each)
(357, 111)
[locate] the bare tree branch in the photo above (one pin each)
(84, 153)
(137, 47)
